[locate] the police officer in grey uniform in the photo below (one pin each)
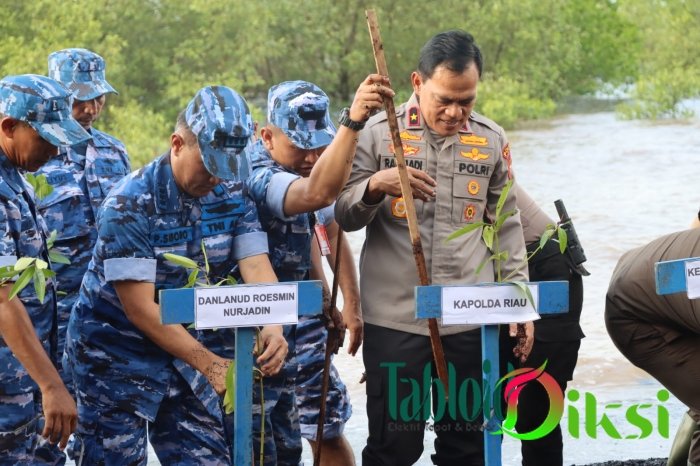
(35, 118)
(458, 163)
(659, 333)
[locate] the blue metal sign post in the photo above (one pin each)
(671, 276)
(178, 307)
(553, 299)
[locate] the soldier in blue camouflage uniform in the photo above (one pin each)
(35, 118)
(130, 371)
(294, 188)
(81, 176)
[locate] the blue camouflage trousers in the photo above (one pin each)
(311, 336)
(21, 424)
(183, 433)
(19, 420)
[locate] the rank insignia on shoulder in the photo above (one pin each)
(474, 140)
(398, 208)
(509, 160)
(474, 154)
(406, 136)
(413, 117)
(469, 212)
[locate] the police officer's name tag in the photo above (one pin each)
(246, 305)
(488, 304)
(692, 278)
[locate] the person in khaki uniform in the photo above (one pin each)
(459, 162)
(659, 333)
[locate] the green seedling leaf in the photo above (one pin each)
(41, 187)
(206, 259)
(58, 258)
(503, 256)
(481, 266)
(39, 284)
(228, 281)
(23, 262)
(48, 273)
(7, 272)
(192, 279)
(487, 235)
(182, 261)
(22, 282)
(526, 289)
(546, 236)
(502, 198)
(502, 218)
(464, 230)
(563, 238)
(230, 395)
(51, 239)
(42, 265)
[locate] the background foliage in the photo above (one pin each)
(538, 53)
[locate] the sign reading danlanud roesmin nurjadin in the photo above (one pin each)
(246, 305)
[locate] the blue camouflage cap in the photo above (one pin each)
(81, 71)
(220, 119)
(44, 104)
(300, 110)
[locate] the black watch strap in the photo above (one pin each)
(345, 120)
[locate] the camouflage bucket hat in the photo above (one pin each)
(300, 110)
(220, 119)
(44, 104)
(81, 71)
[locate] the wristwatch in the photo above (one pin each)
(345, 120)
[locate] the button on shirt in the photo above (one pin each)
(143, 217)
(22, 234)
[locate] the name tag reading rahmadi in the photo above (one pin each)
(692, 278)
(488, 304)
(246, 305)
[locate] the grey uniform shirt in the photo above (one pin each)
(533, 218)
(471, 169)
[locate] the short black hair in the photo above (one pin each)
(184, 129)
(454, 49)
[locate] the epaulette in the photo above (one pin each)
(6, 192)
(482, 120)
(376, 119)
(102, 139)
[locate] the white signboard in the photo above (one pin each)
(487, 304)
(246, 305)
(692, 278)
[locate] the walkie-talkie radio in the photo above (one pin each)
(574, 250)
